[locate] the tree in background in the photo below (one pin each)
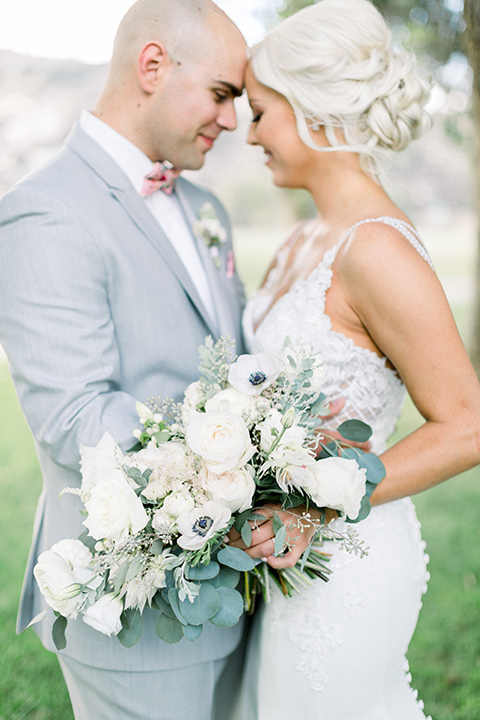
(472, 17)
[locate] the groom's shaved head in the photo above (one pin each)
(176, 68)
(182, 26)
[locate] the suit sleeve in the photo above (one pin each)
(56, 327)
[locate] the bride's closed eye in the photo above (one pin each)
(257, 117)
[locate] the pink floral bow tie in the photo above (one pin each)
(162, 177)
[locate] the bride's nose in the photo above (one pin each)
(251, 139)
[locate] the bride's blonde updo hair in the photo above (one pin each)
(336, 65)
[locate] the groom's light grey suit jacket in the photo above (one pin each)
(97, 311)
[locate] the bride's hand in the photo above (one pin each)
(263, 535)
(324, 435)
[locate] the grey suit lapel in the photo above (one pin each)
(121, 189)
(215, 276)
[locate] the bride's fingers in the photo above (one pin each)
(262, 550)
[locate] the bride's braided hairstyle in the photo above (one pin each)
(336, 65)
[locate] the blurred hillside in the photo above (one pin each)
(42, 98)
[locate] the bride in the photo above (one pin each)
(329, 95)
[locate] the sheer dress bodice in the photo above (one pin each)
(372, 390)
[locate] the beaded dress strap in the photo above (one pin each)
(407, 230)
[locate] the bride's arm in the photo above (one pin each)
(402, 306)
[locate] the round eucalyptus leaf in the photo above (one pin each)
(235, 558)
(132, 628)
(192, 632)
(203, 572)
(174, 604)
(355, 430)
(231, 609)
(169, 629)
(204, 606)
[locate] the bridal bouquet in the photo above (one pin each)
(243, 439)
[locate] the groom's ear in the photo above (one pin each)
(153, 61)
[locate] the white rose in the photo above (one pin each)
(60, 573)
(178, 503)
(104, 615)
(233, 401)
(251, 374)
(271, 428)
(103, 460)
(221, 439)
(198, 526)
(114, 511)
(192, 397)
(340, 485)
(234, 489)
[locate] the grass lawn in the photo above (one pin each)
(444, 654)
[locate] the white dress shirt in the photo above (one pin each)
(165, 208)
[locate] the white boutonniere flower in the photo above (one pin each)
(209, 229)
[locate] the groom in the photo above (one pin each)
(105, 296)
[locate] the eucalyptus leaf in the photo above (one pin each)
(246, 533)
(203, 572)
(120, 576)
(132, 627)
(58, 632)
(240, 519)
(277, 524)
(228, 577)
(374, 467)
(157, 547)
(192, 632)
(365, 508)
(280, 538)
(204, 606)
(174, 604)
(231, 608)
(235, 558)
(355, 430)
(169, 629)
(135, 566)
(162, 605)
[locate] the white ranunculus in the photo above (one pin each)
(340, 485)
(114, 511)
(198, 526)
(104, 615)
(103, 460)
(250, 374)
(271, 428)
(60, 573)
(221, 439)
(234, 489)
(163, 523)
(178, 503)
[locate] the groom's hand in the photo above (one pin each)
(263, 535)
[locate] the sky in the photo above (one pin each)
(85, 30)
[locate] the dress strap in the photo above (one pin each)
(407, 230)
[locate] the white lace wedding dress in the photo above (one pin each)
(337, 650)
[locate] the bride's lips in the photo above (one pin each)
(268, 157)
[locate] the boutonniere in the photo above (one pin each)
(208, 229)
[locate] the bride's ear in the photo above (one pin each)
(153, 61)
